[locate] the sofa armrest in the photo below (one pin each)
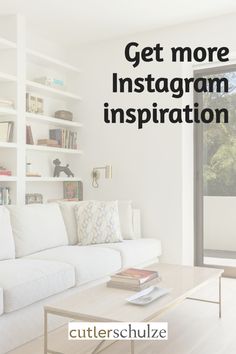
(136, 223)
(1, 301)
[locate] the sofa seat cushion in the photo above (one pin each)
(135, 252)
(1, 301)
(26, 281)
(90, 262)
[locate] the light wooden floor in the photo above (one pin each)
(194, 328)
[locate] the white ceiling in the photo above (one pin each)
(71, 22)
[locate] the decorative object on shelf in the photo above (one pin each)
(33, 174)
(66, 139)
(4, 171)
(48, 142)
(58, 169)
(6, 131)
(5, 196)
(65, 115)
(6, 103)
(28, 168)
(96, 174)
(73, 191)
(34, 104)
(51, 82)
(29, 173)
(33, 198)
(29, 135)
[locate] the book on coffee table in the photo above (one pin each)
(133, 279)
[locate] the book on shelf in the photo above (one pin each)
(5, 198)
(29, 135)
(66, 139)
(6, 103)
(6, 131)
(5, 172)
(48, 142)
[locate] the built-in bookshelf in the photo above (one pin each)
(21, 67)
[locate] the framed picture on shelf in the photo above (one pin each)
(33, 198)
(73, 190)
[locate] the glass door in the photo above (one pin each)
(215, 178)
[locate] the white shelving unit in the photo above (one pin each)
(53, 149)
(51, 120)
(52, 179)
(8, 145)
(16, 81)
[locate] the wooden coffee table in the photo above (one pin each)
(100, 303)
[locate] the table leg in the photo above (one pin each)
(45, 332)
(220, 297)
(132, 346)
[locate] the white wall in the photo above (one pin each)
(154, 166)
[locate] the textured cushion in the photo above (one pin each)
(126, 219)
(98, 222)
(37, 227)
(135, 252)
(1, 301)
(7, 246)
(68, 213)
(90, 262)
(26, 281)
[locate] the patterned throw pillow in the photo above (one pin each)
(98, 222)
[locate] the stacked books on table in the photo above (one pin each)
(134, 279)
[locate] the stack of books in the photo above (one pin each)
(48, 142)
(6, 103)
(4, 171)
(134, 279)
(5, 196)
(66, 139)
(6, 131)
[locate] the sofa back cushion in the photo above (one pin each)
(129, 220)
(37, 227)
(7, 246)
(68, 213)
(98, 222)
(126, 219)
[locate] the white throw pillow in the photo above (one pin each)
(126, 219)
(68, 213)
(98, 222)
(37, 227)
(7, 246)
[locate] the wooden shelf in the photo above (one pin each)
(51, 120)
(8, 145)
(40, 59)
(50, 90)
(52, 149)
(6, 44)
(8, 179)
(7, 77)
(7, 111)
(52, 179)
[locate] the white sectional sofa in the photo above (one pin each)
(40, 260)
